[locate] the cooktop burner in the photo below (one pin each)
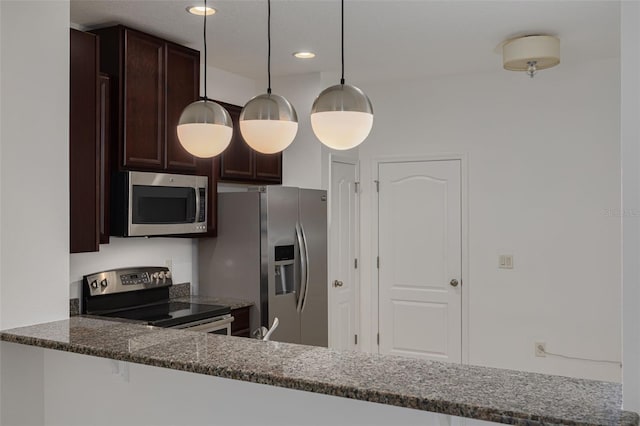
(170, 314)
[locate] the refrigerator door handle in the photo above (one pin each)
(303, 268)
(306, 259)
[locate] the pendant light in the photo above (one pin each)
(205, 127)
(268, 122)
(342, 115)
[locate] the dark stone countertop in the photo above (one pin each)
(504, 396)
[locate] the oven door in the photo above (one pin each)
(217, 325)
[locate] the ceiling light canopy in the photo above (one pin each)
(268, 122)
(531, 53)
(342, 115)
(304, 55)
(205, 128)
(201, 10)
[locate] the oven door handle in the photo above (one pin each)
(204, 324)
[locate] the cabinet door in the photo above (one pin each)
(83, 142)
(182, 88)
(237, 161)
(269, 167)
(143, 101)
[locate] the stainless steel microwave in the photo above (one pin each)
(152, 204)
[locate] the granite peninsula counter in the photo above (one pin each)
(504, 396)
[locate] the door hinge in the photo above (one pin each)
(355, 263)
(357, 186)
(378, 262)
(378, 339)
(377, 185)
(356, 338)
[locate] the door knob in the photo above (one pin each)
(337, 283)
(454, 283)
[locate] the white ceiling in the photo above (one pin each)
(384, 39)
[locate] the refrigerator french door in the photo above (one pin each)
(272, 249)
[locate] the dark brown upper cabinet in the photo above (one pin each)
(84, 143)
(240, 163)
(156, 79)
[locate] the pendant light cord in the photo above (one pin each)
(342, 43)
(269, 43)
(205, 51)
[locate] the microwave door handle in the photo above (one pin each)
(306, 269)
(303, 268)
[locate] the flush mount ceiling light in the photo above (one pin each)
(201, 10)
(342, 115)
(268, 122)
(205, 127)
(531, 53)
(304, 55)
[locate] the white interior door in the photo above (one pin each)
(343, 306)
(419, 242)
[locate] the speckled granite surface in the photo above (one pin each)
(74, 307)
(180, 290)
(504, 396)
(233, 303)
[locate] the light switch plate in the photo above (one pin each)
(505, 261)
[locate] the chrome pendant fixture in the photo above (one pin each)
(342, 115)
(205, 127)
(268, 122)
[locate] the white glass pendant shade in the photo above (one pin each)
(268, 123)
(342, 117)
(205, 129)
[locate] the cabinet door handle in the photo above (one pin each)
(454, 283)
(337, 283)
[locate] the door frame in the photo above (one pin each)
(464, 219)
(356, 285)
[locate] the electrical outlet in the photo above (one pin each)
(169, 264)
(540, 348)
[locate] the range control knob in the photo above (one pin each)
(162, 275)
(103, 283)
(154, 276)
(167, 274)
(94, 284)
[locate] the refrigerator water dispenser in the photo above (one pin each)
(284, 273)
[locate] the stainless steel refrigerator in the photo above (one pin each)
(272, 249)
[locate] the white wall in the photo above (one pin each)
(34, 164)
(124, 252)
(301, 161)
(630, 138)
(544, 185)
(182, 252)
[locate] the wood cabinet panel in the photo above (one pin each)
(144, 101)
(84, 170)
(104, 114)
(183, 69)
(241, 322)
(240, 163)
(237, 161)
(269, 167)
(209, 167)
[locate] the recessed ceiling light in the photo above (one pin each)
(304, 55)
(201, 10)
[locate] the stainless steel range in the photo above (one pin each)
(142, 294)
